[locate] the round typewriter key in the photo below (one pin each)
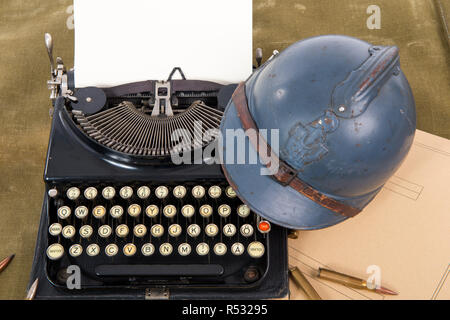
(202, 249)
(214, 192)
(90, 193)
(55, 251)
(134, 210)
(205, 210)
(193, 230)
(73, 193)
(179, 192)
(75, 250)
(237, 249)
(68, 232)
(64, 212)
(174, 230)
(264, 226)
(122, 230)
(148, 249)
(152, 211)
(104, 231)
(165, 249)
(116, 212)
(129, 249)
(170, 211)
(55, 229)
(86, 231)
(184, 249)
(246, 230)
(157, 230)
(198, 192)
(139, 230)
(243, 211)
(220, 249)
(224, 210)
(187, 211)
(143, 192)
(229, 230)
(111, 250)
(126, 192)
(92, 250)
(230, 192)
(99, 212)
(256, 249)
(161, 192)
(211, 230)
(81, 212)
(108, 193)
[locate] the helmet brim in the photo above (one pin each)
(279, 204)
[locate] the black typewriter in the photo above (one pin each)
(135, 224)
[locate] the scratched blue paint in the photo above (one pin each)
(348, 158)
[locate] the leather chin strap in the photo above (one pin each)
(286, 175)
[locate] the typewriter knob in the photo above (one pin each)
(55, 251)
(89, 100)
(86, 231)
(214, 192)
(108, 193)
(129, 249)
(165, 249)
(73, 193)
(148, 249)
(55, 229)
(230, 192)
(237, 249)
(126, 192)
(206, 210)
(92, 250)
(122, 230)
(202, 249)
(179, 192)
(143, 192)
(184, 249)
(256, 249)
(198, 192)
(90, 193)
(243, 211)
(75, 250)
(220, 249)
(161, 192)
(52, 193)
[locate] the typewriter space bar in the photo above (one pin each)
(143, 270)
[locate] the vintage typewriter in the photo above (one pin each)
(135, 224)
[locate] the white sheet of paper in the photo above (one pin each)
(120, 41)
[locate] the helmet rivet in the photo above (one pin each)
(341, 108)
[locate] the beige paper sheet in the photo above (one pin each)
(405, 232)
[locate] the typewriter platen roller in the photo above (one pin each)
(117, 206)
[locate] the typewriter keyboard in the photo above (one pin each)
(144, 232)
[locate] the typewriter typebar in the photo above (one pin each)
(132, 220)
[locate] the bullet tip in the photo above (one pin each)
(383, 290)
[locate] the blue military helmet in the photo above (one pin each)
(346, 120)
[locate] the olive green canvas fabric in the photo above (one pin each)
(415, 26)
